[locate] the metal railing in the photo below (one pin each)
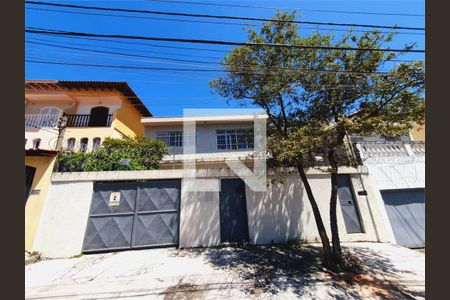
(84, 121)
(40, 120)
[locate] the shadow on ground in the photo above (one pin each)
(295, 268)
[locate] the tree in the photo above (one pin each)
(128, 153)
(316, 97)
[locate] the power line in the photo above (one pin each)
(215, 42)
(152, 57)
(206, 22)
(139, 17)
(33, 60)
(127, 49)
(163, 46)
(216, 16)
(136, 43)
(123, 54)
(288, 8)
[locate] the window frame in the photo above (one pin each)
(36, 143)
(81, 144)
(94, 144)
(70, 147)
(235, 133)
(180, 143)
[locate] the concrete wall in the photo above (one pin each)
(128, 120)
(199, 219)
(283, 213)
(391, 173)
(280, 214)
(64, 219)
(35, 202)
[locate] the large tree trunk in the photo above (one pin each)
(337, 252)
(326, 249)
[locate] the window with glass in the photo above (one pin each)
(171, 138)
(241, 138)
(84, 144)
(96, 143)
(36, 143)
(70, 144)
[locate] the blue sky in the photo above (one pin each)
(167, 93)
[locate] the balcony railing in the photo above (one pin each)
(369, 150)
(40, 120)
(86, 121)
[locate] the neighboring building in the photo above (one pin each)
(92, 110)
(397, 174)
(417, 133)
(107, 211)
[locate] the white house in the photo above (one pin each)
(106, 211)
(397, 175)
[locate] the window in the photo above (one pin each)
(99, 116)
(70, 144)
(171, 138)
(84, 144)
(96, 143)
(36, 143)
(49, 111)
(241, 138)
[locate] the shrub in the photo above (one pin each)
(136, 153)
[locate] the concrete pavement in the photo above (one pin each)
(251, 273)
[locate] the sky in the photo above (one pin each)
(168, 92)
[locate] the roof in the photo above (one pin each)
(64, 85)
(40, 152)
(209, 119)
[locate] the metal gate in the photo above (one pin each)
(406, 212)
(349, 207)
(133, 215)
(233, 211)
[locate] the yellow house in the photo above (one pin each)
(93, 110)
(417, 133)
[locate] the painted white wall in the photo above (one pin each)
(64, 219)
(280, 214)
(48, 136)
(283, 213)
(199, 218)
(87, 103)
(391, 173)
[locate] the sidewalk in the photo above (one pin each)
(219, 273)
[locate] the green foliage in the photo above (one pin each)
(315, 97)
(136, 153)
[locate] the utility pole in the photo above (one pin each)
(61, 125)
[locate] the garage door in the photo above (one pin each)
(406, 211)
(133, 215)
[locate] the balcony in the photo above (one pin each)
(88, 121)
(41, 121)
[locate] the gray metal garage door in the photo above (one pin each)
(133, 215)
(406, 211)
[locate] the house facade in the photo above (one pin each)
(71, 115)
(114, 210)
(397, 175)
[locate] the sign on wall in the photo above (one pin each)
(114, 199)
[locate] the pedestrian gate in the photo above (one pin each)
(133, 215)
